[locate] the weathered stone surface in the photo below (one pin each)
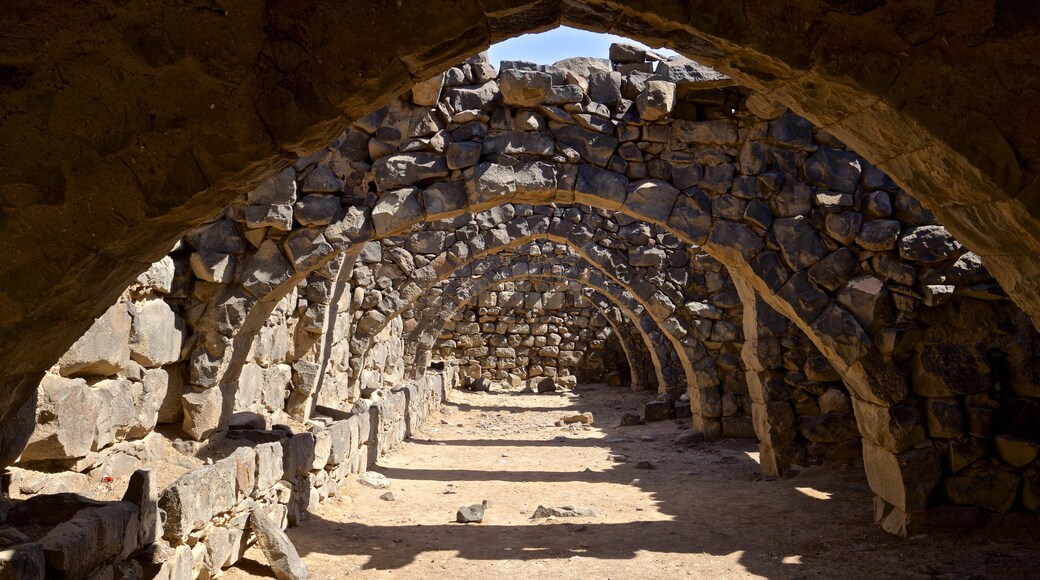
(159, 276)
(565, 511)
(983, 485)
(156, 333)
(490, 181)
(66, 420)
(316, 209)
(904, 480)
(396, 210)
(600, 187)
(947, 369)
(428, 92)
(265, 270)
(651, 200)
(604, 87)
(203, 411)
(213, 266)
(78, 547)
(656, 101)
(409, 169)
(104, 349)
(928, 244)
(834, 169)
(879, 235)
(801, 247)
(593, 147)
(524, 88)
(281, 555)
(471, 514)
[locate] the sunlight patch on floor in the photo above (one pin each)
(814, 493)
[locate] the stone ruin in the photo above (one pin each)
(639, 221)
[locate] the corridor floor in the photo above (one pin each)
(701, 512)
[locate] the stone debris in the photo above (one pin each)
(374, 480)
(281, 555)
(388, 496)
(583, 418)
(630, 420)
(689, 438)
(471, 514)
(565, 511)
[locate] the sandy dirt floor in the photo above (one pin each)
(701, 512)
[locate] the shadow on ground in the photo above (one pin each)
(705, 505)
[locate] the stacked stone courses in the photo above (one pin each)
(522, 223)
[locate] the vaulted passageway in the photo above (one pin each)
(774, 283)
(118, 140)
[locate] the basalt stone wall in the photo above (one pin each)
(199, 524)
(818, 233)
(529, 330)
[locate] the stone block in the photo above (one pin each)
(524, 88)
(157, 333)
(600, 187)
(944, 369)
(78, 547)
(66, 420)
(904, 480)
(408, 169)
(944, 417)
(397, 210)
(800, 246)
(983, 485)
(104, 349)
(196, 497)
(657, 410)
(656, 101)
(651, 200)
(278, 189)
(213, 266)
(928, 244)
(265, 270)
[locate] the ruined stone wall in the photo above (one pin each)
(199, 523)
(288, 309)
(527, 330)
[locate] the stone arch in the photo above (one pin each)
(502, 270)
(629, 335)
(957, 149)
(771, 252)
(458, 256)
(828, 422)
(423, 336)
(765, 262)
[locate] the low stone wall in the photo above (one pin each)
(198, 525)
(528, 330)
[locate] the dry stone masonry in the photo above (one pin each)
(633, 221)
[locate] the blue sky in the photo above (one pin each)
(557, 44)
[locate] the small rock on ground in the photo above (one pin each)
(689, 438)
(583, 418)
(373, 479)
(645, 465)
(565, 511)
(630, 420)
(470, 514)
(388, 496)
